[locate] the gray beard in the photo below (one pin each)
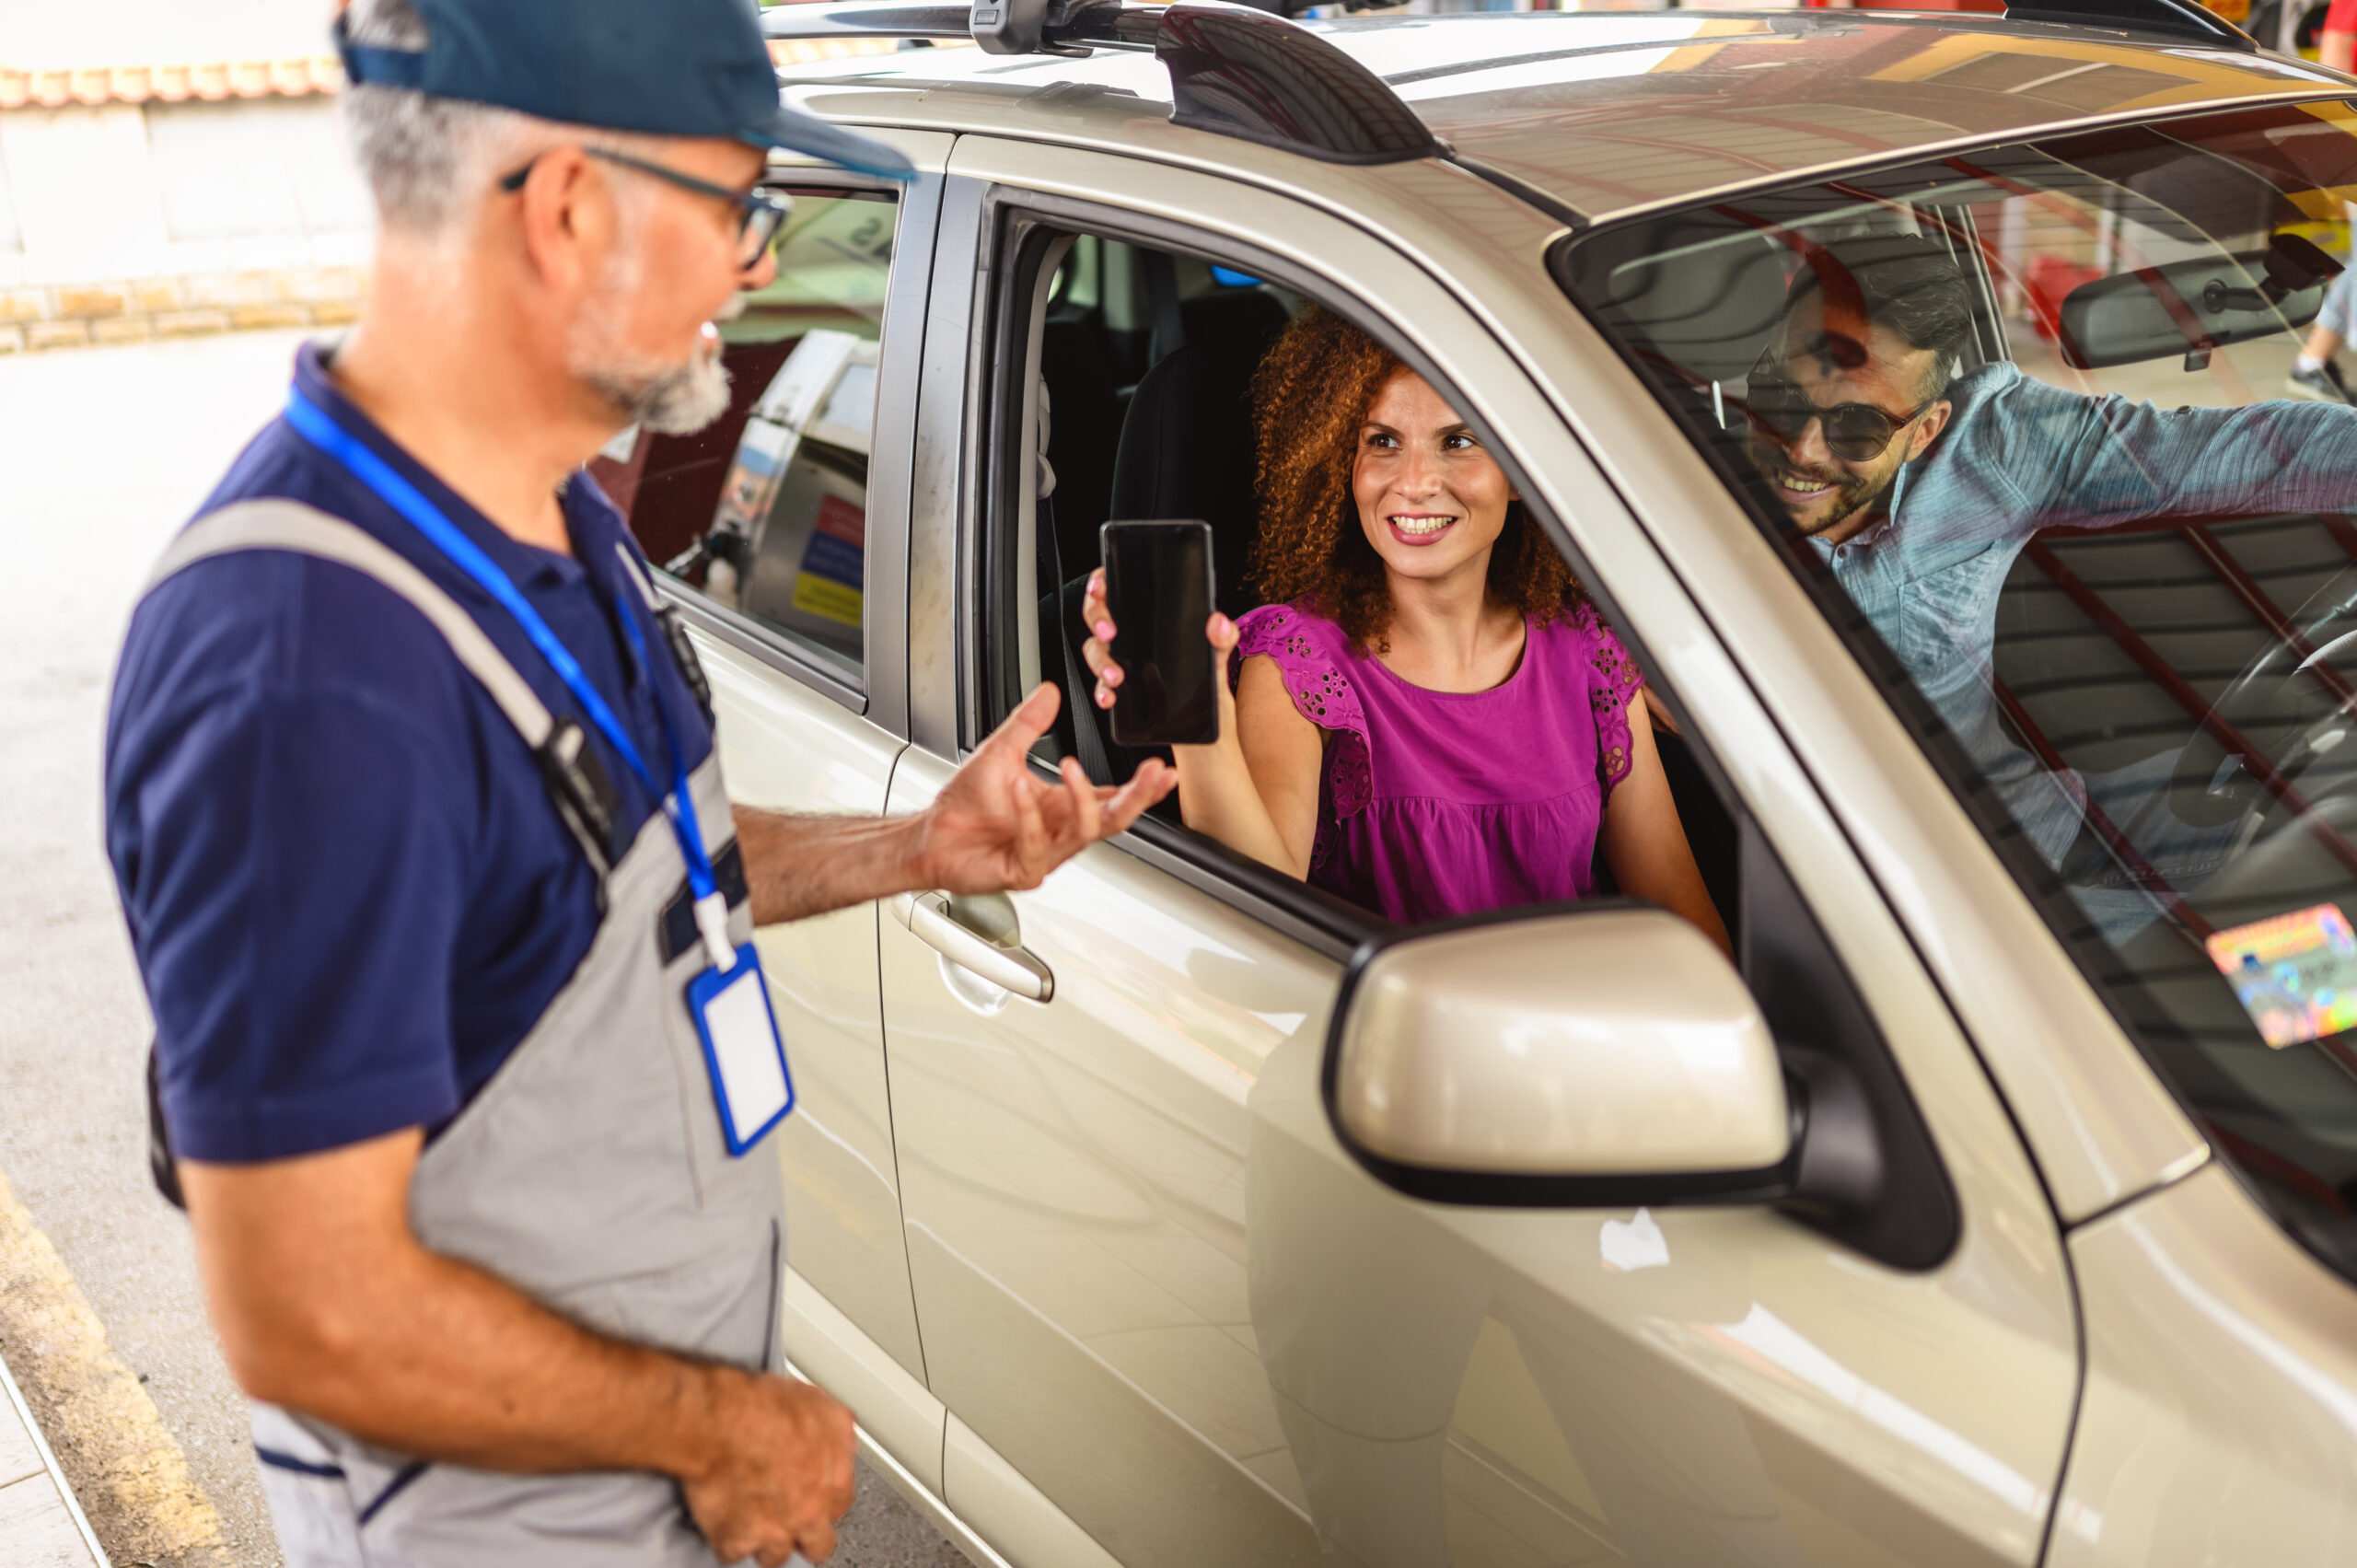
(677, 400)
(669, 399)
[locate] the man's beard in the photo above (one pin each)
(677, 400)
(1849, 493)
(670, 398)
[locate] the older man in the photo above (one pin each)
(463, 1046)
(1919, 488)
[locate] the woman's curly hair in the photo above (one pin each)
(1309, 398)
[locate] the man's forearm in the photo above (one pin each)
(796, 866)
(460, 1366)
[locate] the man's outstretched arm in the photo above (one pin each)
(995, 827)
(327, 1305)
(2082, 460)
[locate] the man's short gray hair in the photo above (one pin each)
(428, 160)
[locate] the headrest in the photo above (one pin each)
(1187, 444)
(1245, 318)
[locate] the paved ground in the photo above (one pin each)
(39, 1525)
(107, 451)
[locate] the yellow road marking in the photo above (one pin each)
(123, 1465)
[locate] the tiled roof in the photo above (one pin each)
(208, 80)
(214, 79)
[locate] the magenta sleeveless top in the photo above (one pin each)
(1442, 803)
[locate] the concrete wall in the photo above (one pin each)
(123, 220)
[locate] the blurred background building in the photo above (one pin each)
(174, 166)
(171, 167)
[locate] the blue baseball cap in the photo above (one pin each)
(660, 67)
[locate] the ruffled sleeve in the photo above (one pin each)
(1304, 647)
(1614, 682)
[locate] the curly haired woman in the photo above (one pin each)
(1430, 719)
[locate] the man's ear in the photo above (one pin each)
(1928, 428)
(565, 214)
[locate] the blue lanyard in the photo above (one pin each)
(314, 425)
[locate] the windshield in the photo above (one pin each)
(2056, 432)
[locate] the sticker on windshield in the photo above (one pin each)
(2295, 974)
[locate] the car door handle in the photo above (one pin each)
(1008, 965)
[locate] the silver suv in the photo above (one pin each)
(1996, 1207)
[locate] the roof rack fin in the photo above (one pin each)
(1242, 72)
(2181, 18)
(1235, 70)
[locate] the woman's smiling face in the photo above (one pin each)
(1430, 498)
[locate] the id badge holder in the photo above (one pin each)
(742, 1049)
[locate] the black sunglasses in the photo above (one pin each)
(761, 214)
(1856, 433)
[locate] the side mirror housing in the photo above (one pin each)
(1604, 1056)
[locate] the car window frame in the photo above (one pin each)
(1330, 924)
(880, 693)
(1323, 921)
(1320, 921)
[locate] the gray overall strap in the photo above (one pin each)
(304, 530)
(290, 525)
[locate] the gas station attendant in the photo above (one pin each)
(463, 1050)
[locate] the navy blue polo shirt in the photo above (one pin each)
(348, 891)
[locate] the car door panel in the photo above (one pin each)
(786, 747)
(896, 1412)
(1009, 1511)
(1074, 1183)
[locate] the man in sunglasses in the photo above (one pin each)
(463, 1052)
(1919, 487)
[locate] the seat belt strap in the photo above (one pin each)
(1086, 740)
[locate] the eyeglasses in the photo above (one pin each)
(1856, 433)
(761, 214)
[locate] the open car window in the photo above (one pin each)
(1128, 368)
(2026, 420)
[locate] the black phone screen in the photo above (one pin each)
(1158, 588)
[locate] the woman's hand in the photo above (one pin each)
(1219, 630)
(1222, 794)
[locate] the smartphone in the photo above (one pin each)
(1158, 588)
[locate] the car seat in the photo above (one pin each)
(1187, 446)
(1075, 362)
(1186, 451)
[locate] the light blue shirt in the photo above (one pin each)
(2018, 456)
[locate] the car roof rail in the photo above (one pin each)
(2179, 18)
(1235, 70)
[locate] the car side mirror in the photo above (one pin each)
(1606, 1056)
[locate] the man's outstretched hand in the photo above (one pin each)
(996, 827)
